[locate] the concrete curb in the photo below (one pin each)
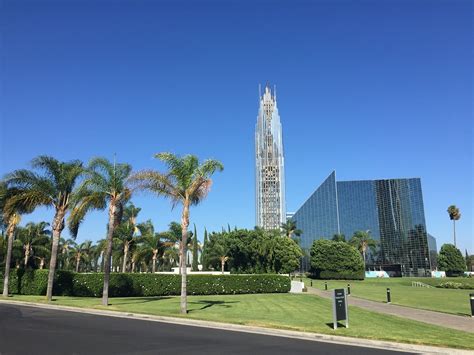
(368, 343)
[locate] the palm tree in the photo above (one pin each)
(11, 216)
(363, 241)
(82, 252)
(454, 215)
(187, 182)
(54, 188)
(104, 184)
(290, 229)
(125, 233)
(219, 251)
(339, 237)
(64, 251)
(33, 238)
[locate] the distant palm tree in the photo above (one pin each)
(219, 251)
(454, 215)
(126, 232)
(363, 241)
(290, 229)
(34, 238)
(105, 184)
(187, 182)
(54, 188)
(82, 253)
(11, 216)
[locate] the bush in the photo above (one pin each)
(451, 260)
(336, 260)
(455, 285)
(34, 282)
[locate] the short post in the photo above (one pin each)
(348, 289)
(471, 295)
(325, 285)
(311, 283)
(389, 298)
(301, 278)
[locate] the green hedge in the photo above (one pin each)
(68, 283)
(456, 285)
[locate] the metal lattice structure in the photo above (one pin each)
(269, 164)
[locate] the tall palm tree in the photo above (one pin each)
(11, 216)
(454, 215)
(55, 187)
(187, 182)
(363, 241)
(104, 184)
(290, 228)
(33, 238)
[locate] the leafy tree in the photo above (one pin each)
(290, 229)
(454, 215)
(363, 241)
(469, 262)
(53, 188)
(338, 238)
(187, 182)
(104, 184)
(451, 260)
(195, 251)
(330, 259)
(287, 256)
(34, 239)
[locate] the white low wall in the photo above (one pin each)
(296, 287)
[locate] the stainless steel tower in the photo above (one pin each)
(269, 164)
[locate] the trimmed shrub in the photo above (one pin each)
(455, 285)
(451, 260)
(336, 260)
(34, 282)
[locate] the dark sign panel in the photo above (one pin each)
(340, 307)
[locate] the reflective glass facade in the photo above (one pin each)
(391, 209)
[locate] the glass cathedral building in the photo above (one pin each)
(269, 164)
(392, 210)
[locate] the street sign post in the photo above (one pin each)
(340, 311)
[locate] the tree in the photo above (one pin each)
(290, 229)
(187, 182)
(338, 260)
(451, 260)
(287, 255)
(338, 238)
(10, 212)
(53, 188)
(82, 253)
(104, 184)
(454, 215)
(195, 251)
(204, 262)
(33, 239)
(220, 250)
(125, 233)
(362, 241)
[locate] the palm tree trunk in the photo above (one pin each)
(454, 230)
(27, 254)
(125, 255)
(153, 266)
(108, 253)
(58, 226)
(222, 266)
(182, 256)
(10, 233)
(78, 260)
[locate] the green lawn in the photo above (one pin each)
(436, 299)
(286, 311)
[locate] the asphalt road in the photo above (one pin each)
(28, 330)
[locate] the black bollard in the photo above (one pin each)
(325, 285)
(389, 298)
(311, 283)
(348, 289)
(471, 295)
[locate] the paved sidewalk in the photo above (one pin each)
(436, 318)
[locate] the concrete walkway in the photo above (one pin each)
(436, 318)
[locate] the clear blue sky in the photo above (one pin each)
(373, 89)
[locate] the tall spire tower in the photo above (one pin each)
(269, 164)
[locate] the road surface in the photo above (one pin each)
(29, 330)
